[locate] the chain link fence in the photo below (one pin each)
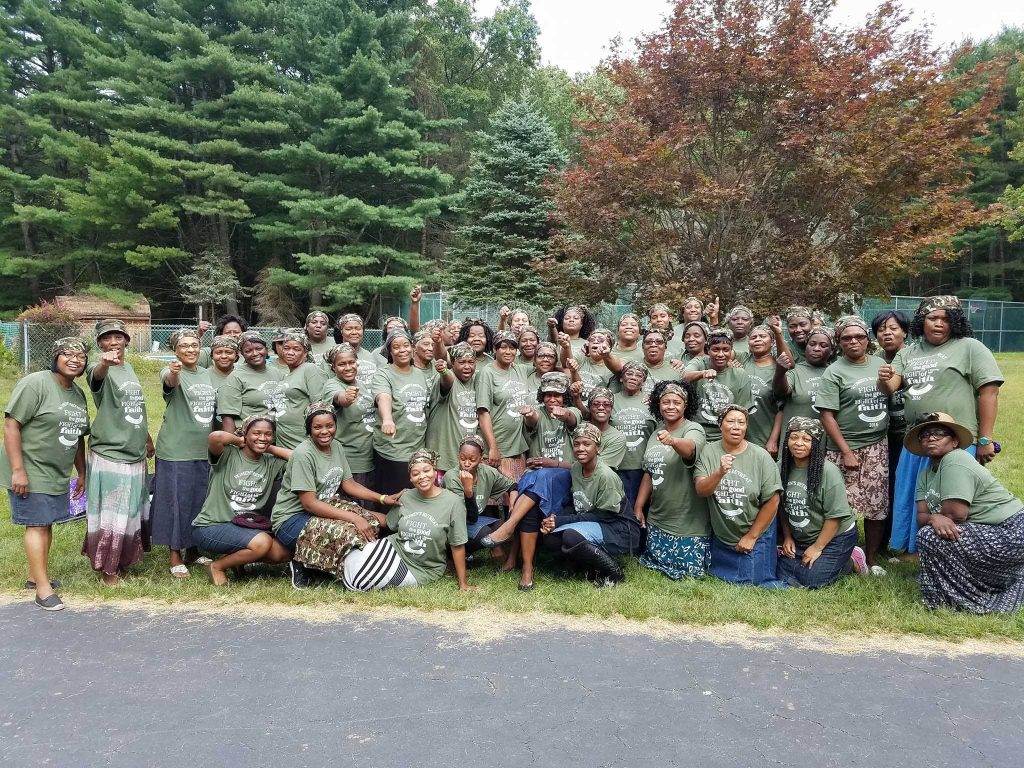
(999, 324)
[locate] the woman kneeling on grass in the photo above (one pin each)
(428, 520)
(970, 528)
(741, 483)
(819, 532)
(315, 472)
(244, 467)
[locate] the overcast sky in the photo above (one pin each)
(575, 33)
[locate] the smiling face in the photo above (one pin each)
(71, 364)
(477, 338)
(422, 475)
(692, 310)
(799, 445)
(469, 458)
(600, 410)
(112, 341)
(254, 353)
(633, 380)
(544, 362)
(292, 353)
(505, 353)
(224, 358)
(316, 328)
(694, 340)
(528, 345)
(672, 407)
(719, 354)
(937, 327)
(259, 437)
(734, 427)
(425, 351)
(352, 332)
(584, 449)
(891, 336)
(799, 327)
(187, 351)
(401, 351)
(322, 430)
(346, 367)
(232, 329)
(629, 331)
(759, 342)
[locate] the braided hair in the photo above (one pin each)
(959, 325)
(815, 465)
(659, 389)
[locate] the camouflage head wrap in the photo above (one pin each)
(529, 329)
(704, 327)
(68, 344)
(317, 313)
(293, 334)
(393, 319)
(609, 337)
(823, 331)
(803, 424)
(658, 308)
(182, 333)
(318, 408)
(420, 335)
(336, 350)
(798, 311)
(672, 388)
(601, 392)
(633, 365)
(725, 410)
(665, 333)
(461, 351)
(243, 429)
(628, 316)
(423, 455)
(554, 381)
(694, 300)
(401, 333)
(224, 341)
(718, 334)
(933, 303)
(850, 321)
(350, 317)
(546, 348)
(588, 431)
(476, 441)
(505, 337)
(252, 337)
(739, 309)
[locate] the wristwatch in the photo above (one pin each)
(983, 441)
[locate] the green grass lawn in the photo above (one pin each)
(853, 607)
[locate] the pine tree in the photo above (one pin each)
(506, 210)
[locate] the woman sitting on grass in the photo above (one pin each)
(244, 467)
(970, 528)
(477, 482)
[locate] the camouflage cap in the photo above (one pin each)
(505, 337)
(66, 344)
(554, 381)
(461, 351)
(103, 327)
(804, 424)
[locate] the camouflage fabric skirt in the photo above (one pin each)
(867, 486)
(324, 544)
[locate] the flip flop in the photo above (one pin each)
(180, 571)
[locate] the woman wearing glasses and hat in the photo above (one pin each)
(949, 370)
(117, 531)
(971, 529)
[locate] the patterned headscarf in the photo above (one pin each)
(933, 303)
(798, 311)
(804, 424)
(252, 418)
(704, 327)
(505, 337)
(665, 333)
(393, 318)
(601, 392)
(658, 308)
(826, 332)
(423, 455)
(633, 365)
(694, 300)
(719, 334)
(474, 440)
(350, 317)
(739, 309)
(224, 341)
(529, 329)
(725, 410)
(850, 321)
(554, 381)
(547, 348)
(401, 333)
(675, 389)
(252, 337)
(182, 333)
(336, 350)
(630, 316)
(68, 344)
(602, 332)
(461, 351)
(318, 408)
(317, 313)
(420, 335)
(294, 334)
(588, 431)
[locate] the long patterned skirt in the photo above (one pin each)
(676, 556)
(980, 572)
(117, 531)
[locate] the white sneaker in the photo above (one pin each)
(877, 570)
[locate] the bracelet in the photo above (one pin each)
(382, 500)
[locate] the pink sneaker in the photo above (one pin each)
(860, 561)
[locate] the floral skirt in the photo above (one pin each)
(117, 511)
(676, 556)
(867, 486)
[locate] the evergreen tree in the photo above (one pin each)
(506, 210)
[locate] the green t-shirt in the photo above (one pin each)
(806, 516)
(960, 476)
(661, 372)
(367, 364)
(632, 417)
(804, 381)
(52, 421)
(237, 485)
(355, 424)
(424, 528)
(309, 469)
(205, 358)
(752, 481)
(593, 375)
(861, 410)
(762, 413)
(731, 385)
(636, 353)
(489, 482)
(675, 506)
(741, 349)
(797, 353)
(551, 438)
(120, 431)
(299, 388)
(452, 419)
(247, 391)
(188, 418)
(319, 349)
(411, 399)
(502, 394)
(601, 492)
(613, 447)
(946, 378)
(897, 407)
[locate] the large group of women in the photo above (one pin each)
(742, 451)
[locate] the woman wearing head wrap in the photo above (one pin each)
(514, 320)
(855, 415)
(117, 531)
(529, 340)
(454, 416)
(599, 411)
(971, 534)
(632, 417)
(819, 531)
(545, 358)
(182, 455)
(302, 384)
(317, 471)
(46, 420)
(655, 344)
(796, 386)
(694, 335)
(799, 323)
(676, 518)
(596, 365)
(740, 320)
(349, 329)
(742, 484)
(549, 428)
(501, 392)
(949, 370)
(478, 483)
(659, 316)
(316, 330)
(765, 424)
(229, 326)
(245, 469)
(428, 521)
(404, 396)
(694, 311)
(353, 405)
(717, 382)
(627, 338)
(253, 387)
(223, 358)
(423, 347)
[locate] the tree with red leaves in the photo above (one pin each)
(762, 152)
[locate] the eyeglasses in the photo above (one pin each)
(934, 433)
(655, 343)
(73, 356)
(858, 337)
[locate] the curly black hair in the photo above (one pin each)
(959, 325)
(223, 320)
(589, 323)
(815, 466)
(890, 314)
(488, 333)
(659, 389)
(309, 419)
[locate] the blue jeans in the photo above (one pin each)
(630, 484)
(289, 530)
(832, 563)
(223, 538)
(904, 508)
(472, 529)
(757, 568)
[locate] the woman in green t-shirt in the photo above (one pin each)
(428, 521)
(182, 453)
(796, 384)
(598, 411)
(717, 382)
(545, 358)
(576, 322)
(477, 482)
(627, 346)
(353, 405)
(244, 467)
(117, 528)
(254, 385)
(595, 365)
(819, 531)
(455, 414)
(44, 427)
(349, 329)
(631, 415)
(501, 392)
(676, 518)
(765, 425)
(741, 482)
(695, 335)
(971, 529)
(223, 357)
(302, 384)
(316, 331)
(529, 339)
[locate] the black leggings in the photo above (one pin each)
(531, 522)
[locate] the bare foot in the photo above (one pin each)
(111, 579)
(217, 576)
(508, 566)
